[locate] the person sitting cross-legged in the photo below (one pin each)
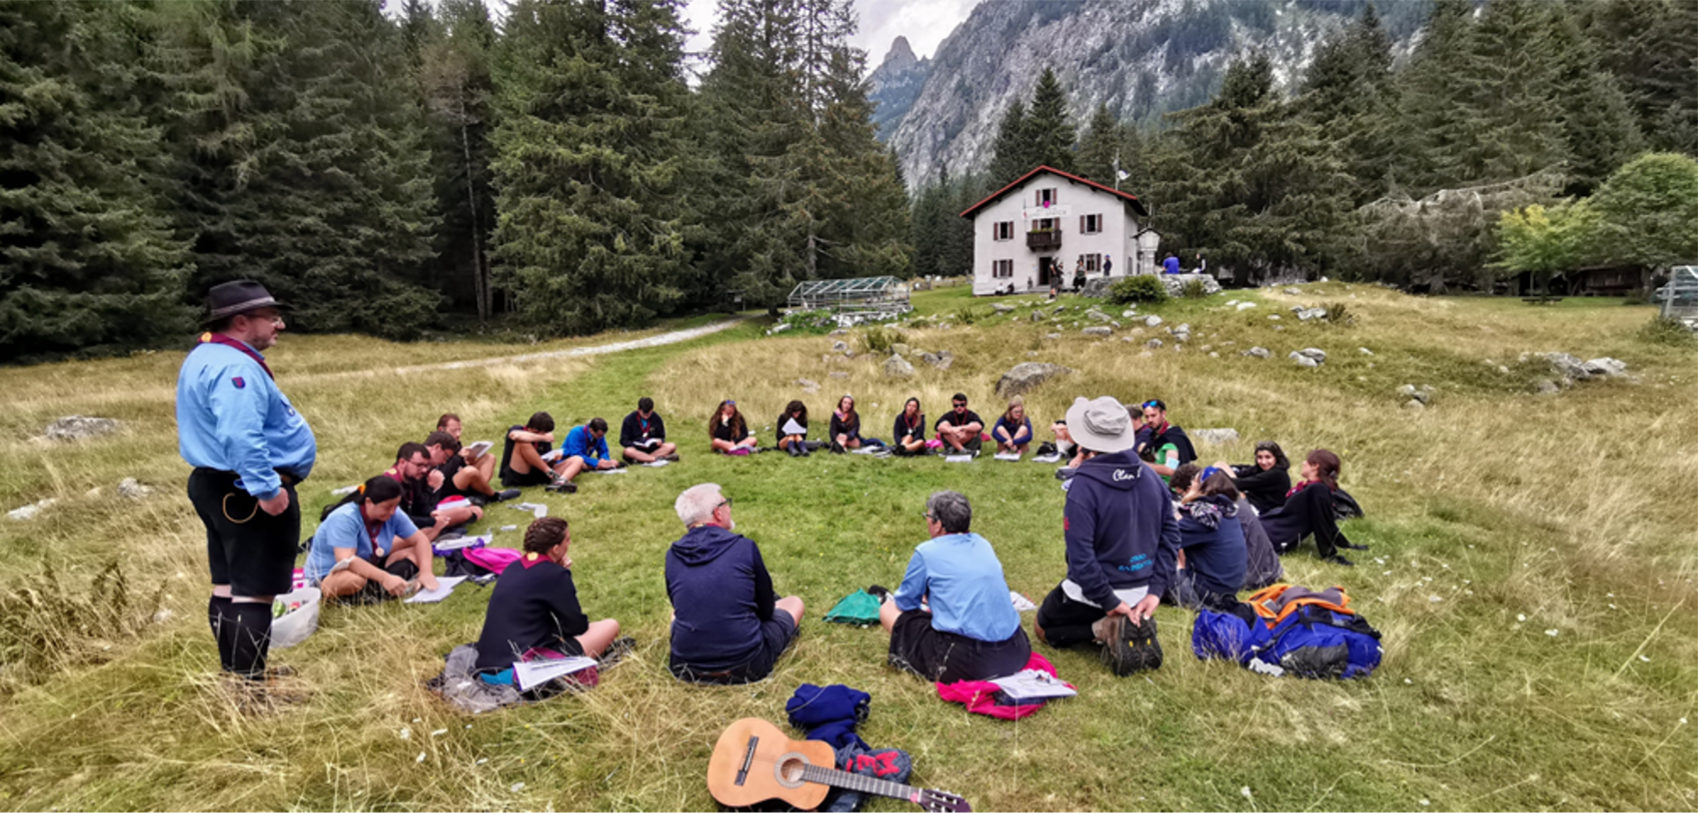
(1212, 542)
(585, 448)
(383, 550)
(453, 478)
(909, 430)
(485, 463)
(959, 428)
(419, 500)
(1120, 535)
(793, 442)
(522, 462)
(1013, 430)
(728, 432)
(972, 631)
(845, 430)
(533, 611)
(728, 627)
(643, 436)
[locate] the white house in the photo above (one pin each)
(1047, 224)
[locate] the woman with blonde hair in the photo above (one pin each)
(1013, 431)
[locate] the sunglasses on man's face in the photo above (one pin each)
(960, 404)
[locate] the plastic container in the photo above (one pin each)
(294, 627)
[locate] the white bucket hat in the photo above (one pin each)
(1101, 425)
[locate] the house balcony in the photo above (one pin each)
(1044, 241)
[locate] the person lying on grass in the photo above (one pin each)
(845, 430)
(1211, 564)
(533, 611)
(1265, 482)
(522, 454)
(959, 429)
(1013, 430)
(909, 430)
(485, 463)
(794, 443)
(585, 448)
(1308, 511)
(1120, 536)
(643, 436)
(972, 631)
(728, 433)
(385, 552)
(418, 500)
(727, 627)
(453, 478)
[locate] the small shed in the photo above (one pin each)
(859, 299)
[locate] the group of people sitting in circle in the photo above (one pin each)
(959, 431)
(1143, 524)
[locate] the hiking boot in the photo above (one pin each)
(1066, 472)
(837, 448)
(562, 486)
(1116, 653)
(671, 457)
(617, 649)
(1142, 641)
(1338, 560)
(879, 591)
(505, 494)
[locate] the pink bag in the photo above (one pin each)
(494, 559)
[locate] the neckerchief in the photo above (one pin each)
(210, 338)
(371, 530)
(1300, 487)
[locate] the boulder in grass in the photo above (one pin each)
(1152, 321)
(77, 428)
(840, 346)
(1026, 376)
(1301, 360)
(809, 385)
(1215, 437)
(1097, 330)
(1605, 366)
(1314, 353)
(133, 489)
(897, 367)
(1258, 353)
(1566, 366)
(1002, 308)
(1154, 343)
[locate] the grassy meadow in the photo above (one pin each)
(1532, 574)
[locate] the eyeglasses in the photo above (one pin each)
(958, 404)
(725, 501)
(928, 515)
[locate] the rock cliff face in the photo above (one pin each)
(1142, 58)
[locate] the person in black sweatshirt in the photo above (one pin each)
(845, 432)
(1265, 482)
(794, 443)
(643, 436)
(1120, 536)
(533, 611)
(1308, 511)
(728, 627)
(909, 430)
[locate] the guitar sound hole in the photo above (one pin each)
(788, 769)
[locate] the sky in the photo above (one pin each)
(925, 22)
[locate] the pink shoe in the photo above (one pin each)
(739, 451)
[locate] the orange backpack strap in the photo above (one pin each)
(1276, 602)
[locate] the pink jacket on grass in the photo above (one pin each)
(981, 696)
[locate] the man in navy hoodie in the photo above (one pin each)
(1121, 536)
(727, 626)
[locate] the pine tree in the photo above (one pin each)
(1433, 124)
(1100, 147)
(1349, 94)
(1649, 47)
(1049, 129)
(458, 92)
(1599, 127)
(1510, 79)
(87, 258)
(1011, 153)
(589, 236)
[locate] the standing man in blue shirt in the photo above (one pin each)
(249, 449)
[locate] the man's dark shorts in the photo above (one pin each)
(515, 480)
(777, 634)
(247, 549)
(932, 654)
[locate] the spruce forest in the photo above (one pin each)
(565, 169)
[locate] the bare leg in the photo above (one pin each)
(793, 606)
(635, 454)
(420, 555)
(853, 443)
(666, 448)
(527, 459)
(342, 583)
(601, 634)
(888, 614)
(571, 468)
(723, 446)
(472, 479)
(748, 443)
(487, 465)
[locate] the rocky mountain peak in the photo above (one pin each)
(900, 58)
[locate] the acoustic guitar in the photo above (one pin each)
(754, 762)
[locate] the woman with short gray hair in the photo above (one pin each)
(972, 631)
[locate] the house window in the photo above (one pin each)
(1091, 224)
(1092, 262)
(1003, 230)
(1047, 197)
(1002, 269)
(1044, 225)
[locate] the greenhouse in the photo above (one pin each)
(866, 298)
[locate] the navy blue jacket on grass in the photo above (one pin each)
(1120, 529)
(721, 593)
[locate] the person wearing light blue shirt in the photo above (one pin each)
(384, 551)
(952, 618)
(586, 447)
(249, 447)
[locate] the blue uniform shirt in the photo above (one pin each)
(962, 580)
(346, 528)
(232, 417)
(581, 443)
(1171, 265)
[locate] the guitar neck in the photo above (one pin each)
(861, 783)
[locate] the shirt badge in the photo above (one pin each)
(237, 380)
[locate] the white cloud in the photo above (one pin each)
(925, 22)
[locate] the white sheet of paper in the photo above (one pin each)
(793, 428)
(553, 454)
(1007, 456)
(477, 449)
(532, 673)
(1032, 685)
(661, 462)
(463, 542)
(958, 459)
(1021, 603)
(445, 586)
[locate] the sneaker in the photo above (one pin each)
(506, 494)
(879, 591)
(617, 649)
(1338, 560)
(671, 457)
(562, 486)
(1066, 472)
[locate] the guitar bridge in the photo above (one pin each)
(748, 758)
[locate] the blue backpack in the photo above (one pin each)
(1288, 629)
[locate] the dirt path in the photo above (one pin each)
(669, 338)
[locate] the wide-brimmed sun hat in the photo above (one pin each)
(1101, 425)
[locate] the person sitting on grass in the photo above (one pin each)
(585, 448)
(1211, 565)
(1168, 444)
(794, 443)
(522, 461)
(1262, 565)
(845, 430)
(1308, 511)
(1120, 535)
(727, 627)
(1265, 482)
(909, 431)
(485, 463)
(419, 500)
(1013, 430)
(972, 632)
(453, 478)
(533, 611)
(728, 432)
(1066, 450)
(382, 547)
(959, 429)
(643, 436)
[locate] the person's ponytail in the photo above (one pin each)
(379, 489)
(1327, 467)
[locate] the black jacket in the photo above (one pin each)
(535, 606)
(839, 427)
(635, 430)
(1309, 511)
(1265, 489)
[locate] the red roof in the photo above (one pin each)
(1138, 206)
